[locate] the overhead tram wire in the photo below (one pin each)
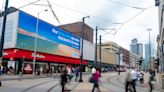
(77, 11)
(133, 17)
(29, 3)
(50, 6)
(134, 7)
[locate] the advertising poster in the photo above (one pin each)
(28, 68)
(50, 39)
(11, 64)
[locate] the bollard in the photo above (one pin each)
(163, 81)
(20, 76)
(0, 81)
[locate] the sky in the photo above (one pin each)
(129, 18)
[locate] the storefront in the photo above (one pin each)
(23, 59)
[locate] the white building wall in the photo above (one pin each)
(88, 51)
(11, 30)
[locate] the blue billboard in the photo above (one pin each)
(51, 39)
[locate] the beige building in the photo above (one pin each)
(134, 60)
(110, 46)
(113, 48)
(106, 56)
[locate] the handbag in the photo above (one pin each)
(91, 79)
(153, 81)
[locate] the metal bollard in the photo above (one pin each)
(20, 76)
(0, 83)
(0, 80)
(163, 81)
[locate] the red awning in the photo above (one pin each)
(18, 53)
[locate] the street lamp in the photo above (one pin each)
(35, 45)
(149, 47)
(118, 53)
(100, 54)
(81, 54)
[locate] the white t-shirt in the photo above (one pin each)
(93, 70)
(133, 74)
(68, 71)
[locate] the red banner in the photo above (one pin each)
(18, 53)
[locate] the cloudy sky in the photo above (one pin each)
(130, 18)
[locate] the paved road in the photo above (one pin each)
(109, 82)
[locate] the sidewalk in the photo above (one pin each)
(24, 76)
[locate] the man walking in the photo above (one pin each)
(76, 73)
(133, 75)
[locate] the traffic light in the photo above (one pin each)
(157, 61)
(140, 61)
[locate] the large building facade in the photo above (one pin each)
(136, 48)
(160, 37)
(147, 57)
(28, 38)
(126, 58)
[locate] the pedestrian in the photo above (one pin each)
(128, 81)
(68, 71)
(96, 76)
(133, 75)
(151, 80)
(93, 70)
(142, 77)
(63, 79)
(76, 70)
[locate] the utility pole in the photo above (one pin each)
(3, 32)
(149, 47)
(118, 54)
(81, 55)
(95, 63)
(100, 54)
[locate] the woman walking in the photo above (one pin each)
(96, 76)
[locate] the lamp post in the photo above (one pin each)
(3, 33)
(35, 44)
(118, 53)
(81, 54)
(149, 47)
(95, 63)
(100, 54)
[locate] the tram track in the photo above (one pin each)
(52, 86)
(114, 84)
(41, 84)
